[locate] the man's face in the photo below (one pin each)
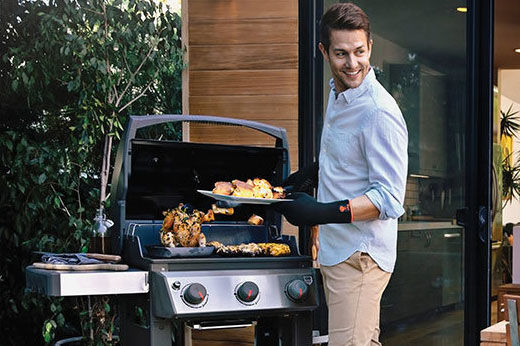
(348, 57)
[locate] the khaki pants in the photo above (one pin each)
(353, 291)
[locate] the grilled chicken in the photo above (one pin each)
(242, 189)
(252, 188)
(182, 227)
(223, 188)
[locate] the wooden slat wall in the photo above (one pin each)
(242, 62)
(224, 337)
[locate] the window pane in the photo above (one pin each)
(419, 56)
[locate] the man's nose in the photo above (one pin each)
(350, 61)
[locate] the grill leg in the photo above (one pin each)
(292, 330)
(297, 330)
(134, 320)
(267, 332)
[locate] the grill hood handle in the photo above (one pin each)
(136, 122)
(139, 121)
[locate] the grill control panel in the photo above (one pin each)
(175, 294)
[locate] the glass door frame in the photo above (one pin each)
(476, 216)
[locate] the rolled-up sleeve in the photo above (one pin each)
(386, 150)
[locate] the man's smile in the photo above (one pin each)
(352, 74)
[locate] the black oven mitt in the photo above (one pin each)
(304, 179)
(305, 210)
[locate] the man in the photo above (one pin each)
(361, 181)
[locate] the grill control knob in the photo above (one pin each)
(297, 290)
(247, 292)
(176, 285)
(194, 294)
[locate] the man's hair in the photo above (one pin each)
(343, 16)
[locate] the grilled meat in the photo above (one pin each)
(217, 245)
(242, 189)
(278, 192)
(202, 240)
(252, 188)
(255, 220)
(275, 249)
(168, 239)
(223, 188)
(223, 211)
(181, 226)
(251, 249)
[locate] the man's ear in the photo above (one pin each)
(323, 51)
(370, 45)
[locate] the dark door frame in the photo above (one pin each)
(476, 217)
(310, 89)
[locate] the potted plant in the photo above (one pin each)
(509, 128)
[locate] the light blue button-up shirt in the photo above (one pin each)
(363, 151)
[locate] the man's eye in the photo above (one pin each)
(360, 52)
(340, 54)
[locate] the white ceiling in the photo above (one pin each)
(510, 84)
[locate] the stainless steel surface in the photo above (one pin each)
(452, 235)
(223, 326)
(64, 283)
(221, 285)
(513, 321)
(204, 291)
(421, 225)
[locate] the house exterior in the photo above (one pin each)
(258, 60)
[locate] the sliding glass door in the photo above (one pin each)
(433, 57)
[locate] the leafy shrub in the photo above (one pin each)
(72, 71)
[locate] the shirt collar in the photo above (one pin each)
(351, 94)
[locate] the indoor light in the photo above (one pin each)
(419, 176)
(462, 9)
(517, 50)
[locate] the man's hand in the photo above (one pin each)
(315, 242)
(305, 179)
(304, 210)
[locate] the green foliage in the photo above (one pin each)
(71, 72)
(510, 179)
(509, 123)
(44, 191)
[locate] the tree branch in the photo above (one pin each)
(137, 97)
(135, 73)
(111, 96)
(61, 201)
(95, 12)
(105, 166)
(78, 194)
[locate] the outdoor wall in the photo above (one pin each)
(242, 62)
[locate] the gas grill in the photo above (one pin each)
(275, 294)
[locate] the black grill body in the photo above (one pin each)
(152, 176)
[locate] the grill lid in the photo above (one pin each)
(152, 176)
(164, 174)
